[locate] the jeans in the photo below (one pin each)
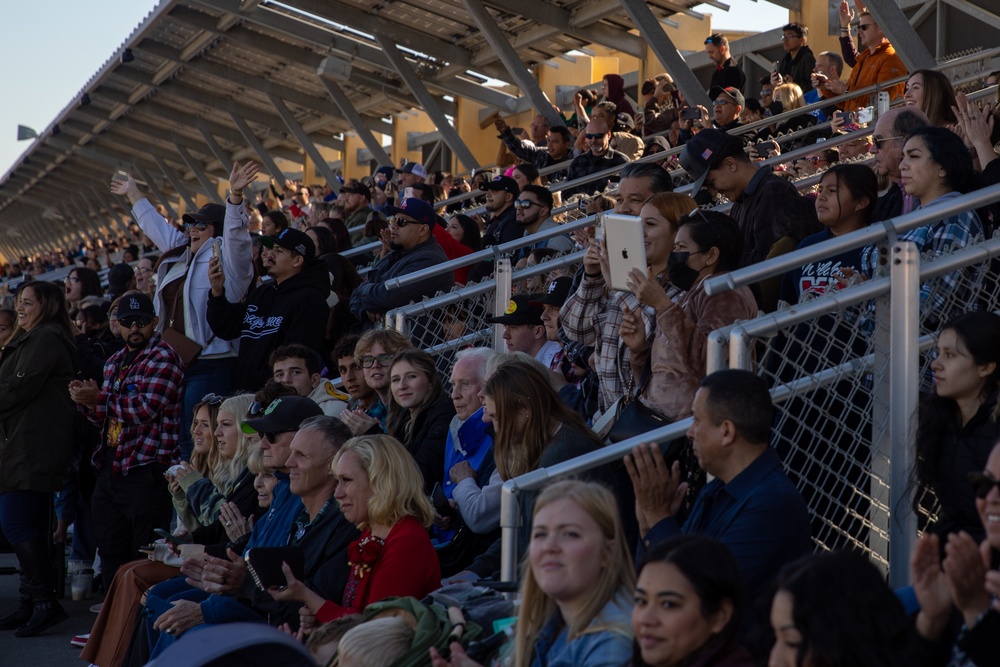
(24, 515)
(203, 377)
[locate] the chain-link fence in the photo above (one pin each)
(828, 359)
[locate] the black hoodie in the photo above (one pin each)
(294, 311)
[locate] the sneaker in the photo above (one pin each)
(79, 640)
(96, 609)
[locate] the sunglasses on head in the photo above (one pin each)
(130, 322)
(369, 360)
(983, 483)
(212, 398)
(256, 409)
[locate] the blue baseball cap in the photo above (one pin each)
(417, 209)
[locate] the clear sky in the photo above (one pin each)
(51, 48)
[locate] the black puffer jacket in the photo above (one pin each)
(36, 412)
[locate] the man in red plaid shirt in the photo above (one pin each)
(138, 411)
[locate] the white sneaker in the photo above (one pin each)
(96, 609)
(79, 640)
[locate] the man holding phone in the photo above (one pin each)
(798, 61)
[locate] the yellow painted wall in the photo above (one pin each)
(349, 158)
(403, 124)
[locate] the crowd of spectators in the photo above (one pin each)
(231, 384)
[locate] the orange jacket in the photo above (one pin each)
(871, 68)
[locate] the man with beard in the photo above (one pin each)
(500, 195)
(413, 248)
(138, 412)
(290, 308)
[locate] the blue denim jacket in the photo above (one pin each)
(607, 647)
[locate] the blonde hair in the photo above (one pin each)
(377, 643)
(397, 485)
(790, 96)
(617, 577)
(228, 471)
(206, 464)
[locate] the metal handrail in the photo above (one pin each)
(873, 233)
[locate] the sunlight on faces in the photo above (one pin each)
(353, 489)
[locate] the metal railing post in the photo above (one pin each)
(739, 349)
(715, 359)
(510, 521)
(904, 263)
(501, 299)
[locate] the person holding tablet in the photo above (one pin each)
(707, 244)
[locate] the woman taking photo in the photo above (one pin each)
(182, 285)
(575, 584)
(689, 605)
(420, 412)
(379, 489)
(668, 370)
(835, 610)
(593, 314)
(36, 440)
(958, 422)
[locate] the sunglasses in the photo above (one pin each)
(525, 203)
(369, 360)
(596, 135)
(877, 140)
(719, 103)
(403, 222)
(131, 322)
(200, 226)
(765, 91)
(865, 26)
(212, 398)
(785, 38)
(982, 484)
(272, 436)
(256, 409)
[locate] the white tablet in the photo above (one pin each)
(626, 249)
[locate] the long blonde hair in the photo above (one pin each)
(228, 471)
(790, 96)
(206, 464)
(617, 578)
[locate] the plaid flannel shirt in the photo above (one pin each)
(934, 239)
(147, 405)
(593, 316)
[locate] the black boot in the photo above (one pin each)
(19, 616)
(38, 577)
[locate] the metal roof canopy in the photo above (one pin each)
(200, 83)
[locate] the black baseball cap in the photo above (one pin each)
(210, 213)
(294, 240)
(704, 151)
(282, 415)
(556, 293)
(357, 188)
(135, 304)
(505, 183)
(521, 309)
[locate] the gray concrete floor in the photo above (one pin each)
(52, 648)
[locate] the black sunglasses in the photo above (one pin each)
(982, 484)
(596, 135)
(200, 226)
(212, 398)
(525, 203)
(129, 322)
(368, 360)
(272, 436)
(256, 409)
(403, 222)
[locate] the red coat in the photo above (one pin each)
(407, 567)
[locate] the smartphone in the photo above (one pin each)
(217, 248)
(690, 113)
(120, 176)
(408, 193)
(866, 115)
(764, 147)
(517, 131)
(846, 116)
(777, 66)
(583, 204)
(440, 501)
(169, 537)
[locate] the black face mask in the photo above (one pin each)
(681, 275)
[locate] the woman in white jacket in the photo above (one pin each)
(182, 284)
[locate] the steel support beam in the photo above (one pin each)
(976, 12)
(199, 173)
(508, 56)
(354, 118)
(909, 47)
(427, 102)
(307, 145)
(265, 158)
(665, 50)
(215, 148)
(155, 189)
(176, 181)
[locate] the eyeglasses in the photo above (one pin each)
(785, 38)
(877, 140)
(72, 279)
(143, 269)
(132, 322)
(369, 360)
(865, 26)
(212, 398)
(595, 135)
(982, 484)
(765, 91)
(719, 103)
(200, 226)
(525, 203)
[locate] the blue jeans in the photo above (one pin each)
(203, 377)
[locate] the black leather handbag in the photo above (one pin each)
(633, 416)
